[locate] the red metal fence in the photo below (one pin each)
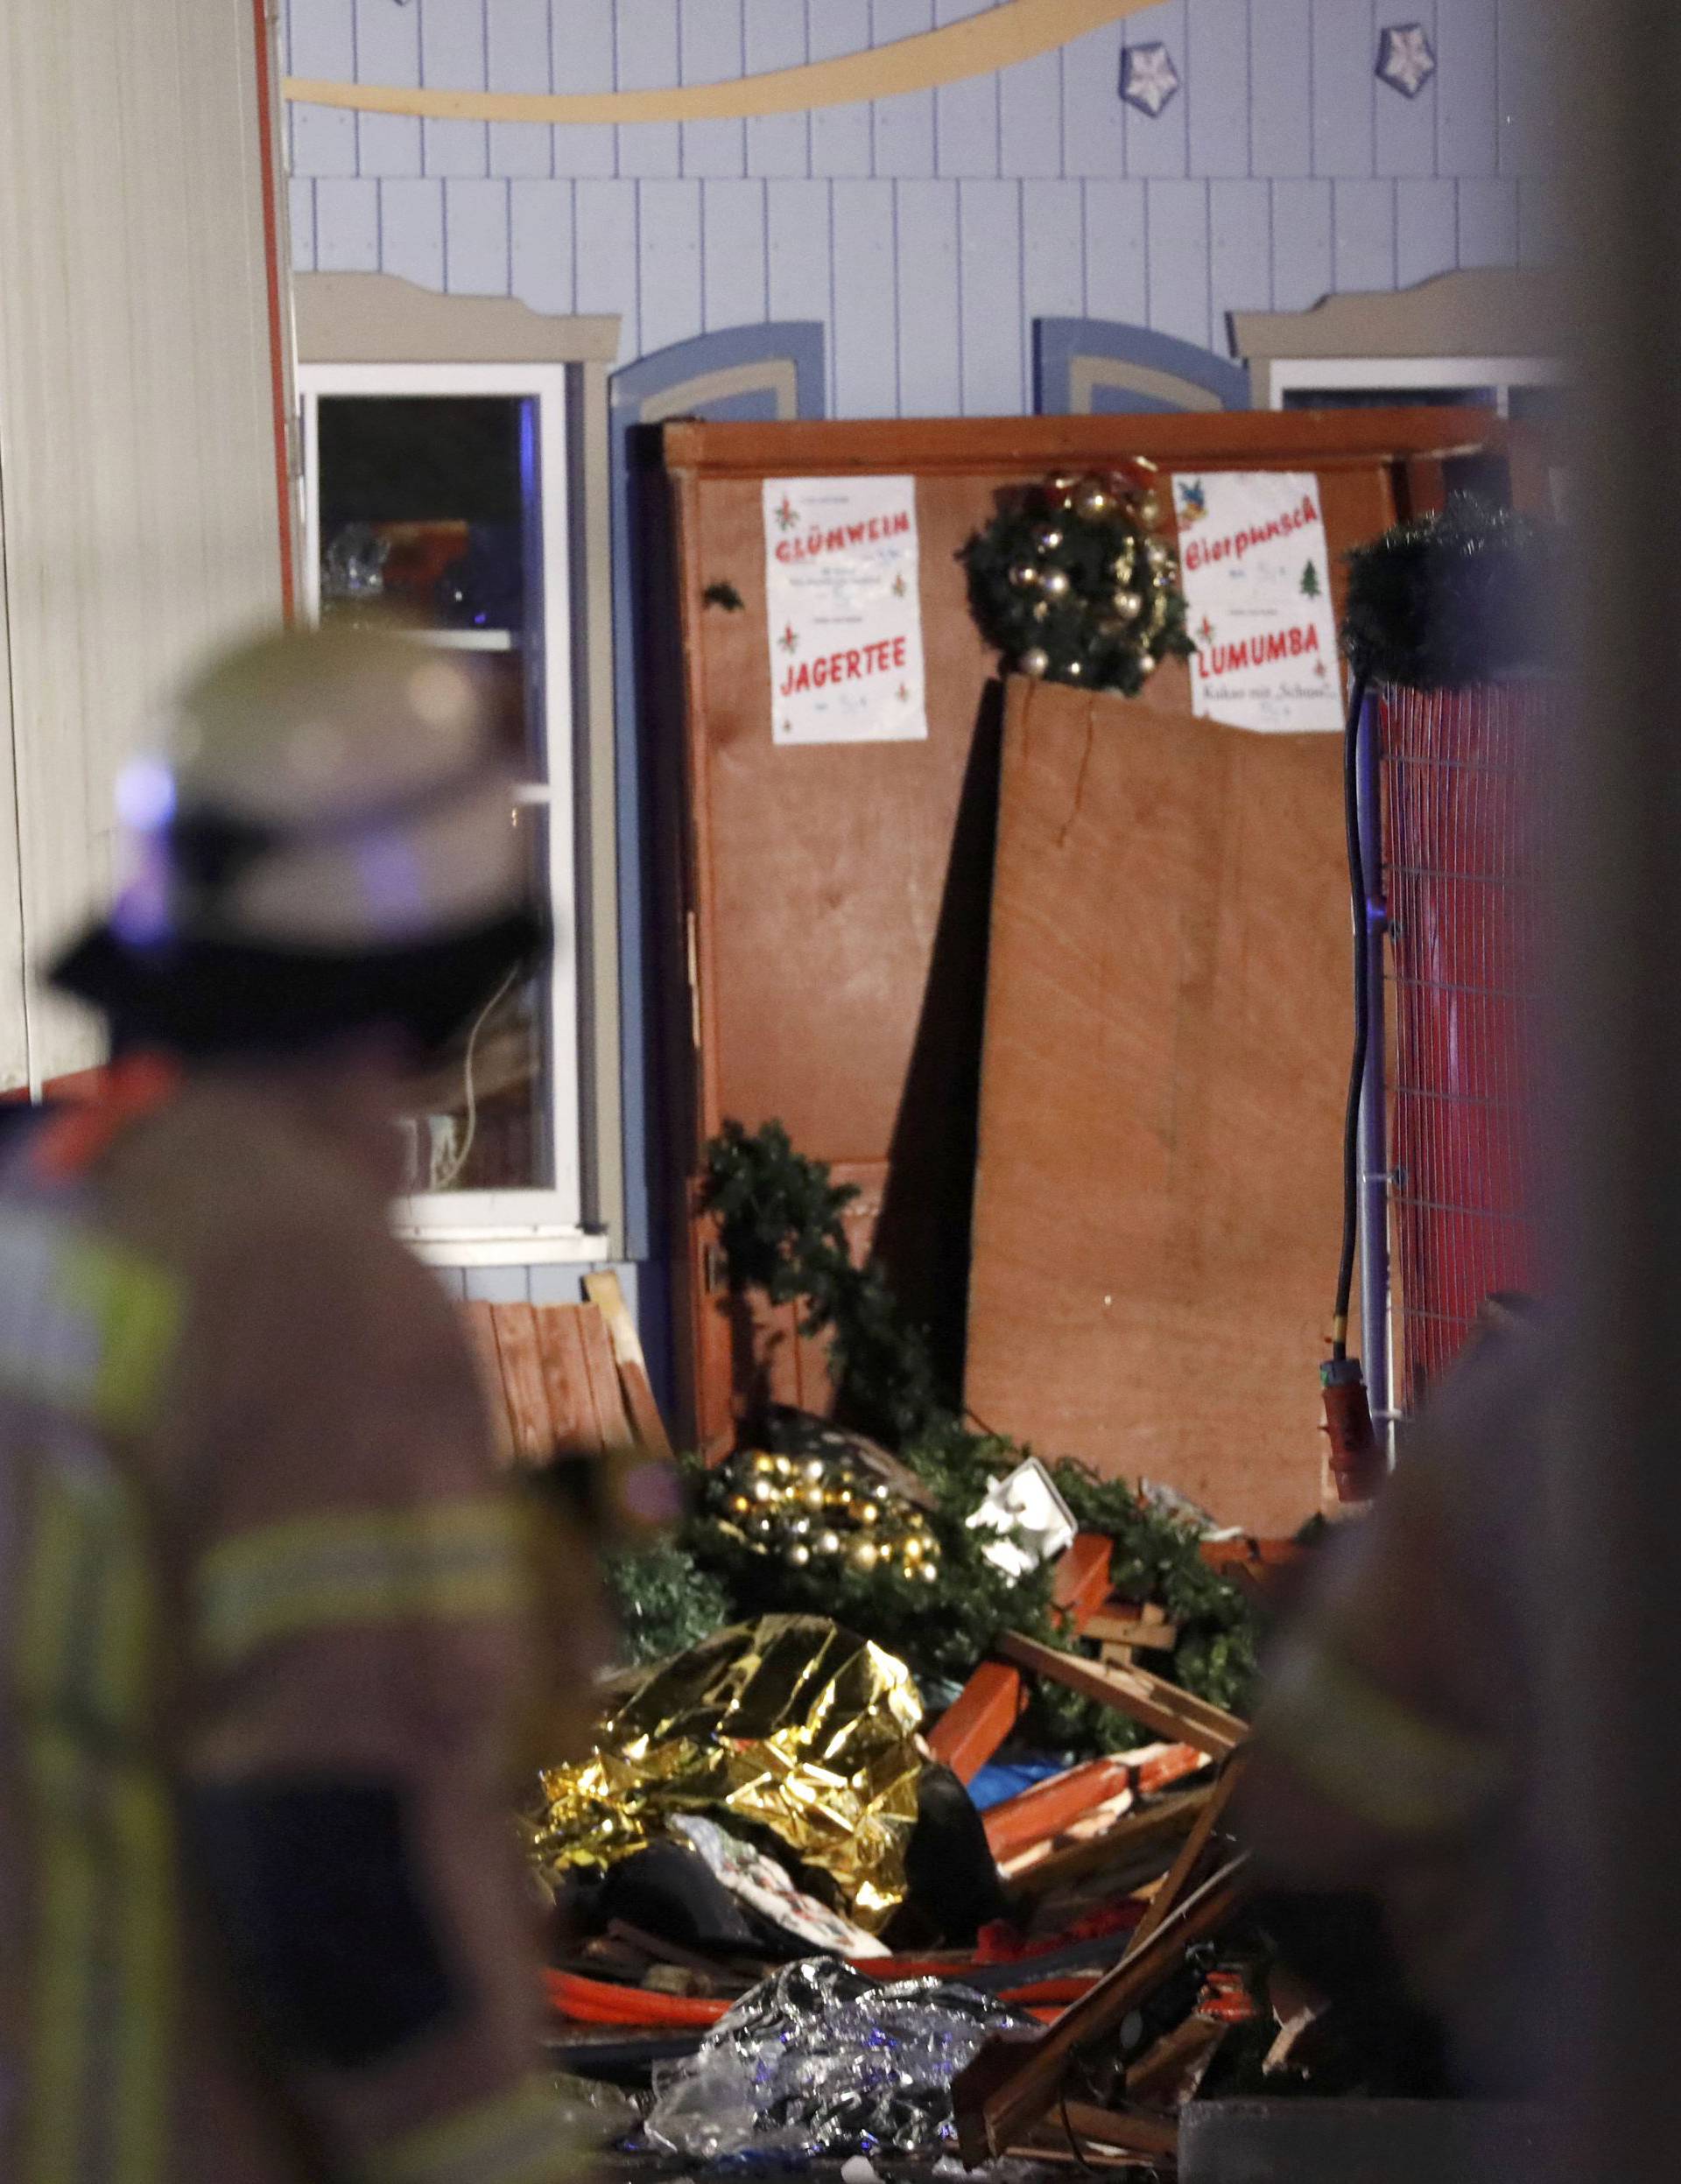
(1463, 859)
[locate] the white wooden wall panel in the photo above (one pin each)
(1216, 66)
(1345, 90)
(454, 52)
(476, 237)
(774, 37)
(346, 215)
(1405, 141)
(1468, 128)
(866, 312)
(1094, 123)
(1178, 218)
(931, 349)
(541, 246)
(412, 231)
(1281, 87)
(388, 51)
(1116, 283)
(711, 50)
(1158, 144)
(1426, 230)
(1363, 236)
(136, 450)
(1380, 189)
(734, 285)
(516, 59)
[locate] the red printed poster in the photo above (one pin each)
(844, 610)
(1256, 574)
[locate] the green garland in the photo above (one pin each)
(779, 1217)
(1070, 583)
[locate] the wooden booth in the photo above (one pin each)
(1154, 1235)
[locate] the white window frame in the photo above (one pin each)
(1408, 374)
(491, 1227)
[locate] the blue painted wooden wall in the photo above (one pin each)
(925, 232)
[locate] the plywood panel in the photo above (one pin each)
(930, 382)
(1030, 116)
(1363, 236)
(476, 241)
(669, 239)
(1466, 95)
(1156, 1211)
(866, 314)
(582, 51)
(1301, 244)
(454, 56)
(841, 135)
(1094, 130)
(1177, 229)
(1345, 89)
(540, 245)
(1426, 230)
(775, 38)
(646, 49)
(905, 124)
(966, 114)
(1240, 252)
(1117, 286)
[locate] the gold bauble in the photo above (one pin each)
(761, 1528)
(1041, 610)
(814, 1498)
(813, 1470)
(764, 1490)
(1147, 664)
(1036, 661)
(798, 1528)
(740, 1505)
(1023, 576)
(1157, 554)
(1062, 482)
(1091, 499)
(826, 1543)
(1120, 567)
(1047, 538)
(784, 1467)
(1074, 670)
(763, 1464)
(1149, 511)
(863, 1556)
(930, 1573)
(798, 1555)
(885, 1545)
(1055, 583)
(911, 1548)
(1128, 606)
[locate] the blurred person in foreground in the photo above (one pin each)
(1391, 1789)
(269, 1634)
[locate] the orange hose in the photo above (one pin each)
(586, 2001)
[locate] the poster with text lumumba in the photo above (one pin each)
(1256, 574)
(844, 610)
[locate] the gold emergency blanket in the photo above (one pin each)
(791, 1724)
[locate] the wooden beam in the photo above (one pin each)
(1012, 2082)
(1181, 1879)
(1040, 1814)
(1159, 1705)
(1138, 1847)
(1079, 1583)
(605, 1293)
(978, 1720)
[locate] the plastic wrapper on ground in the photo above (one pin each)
(819, 2060)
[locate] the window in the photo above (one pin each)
(1524, 388)
(437, 496)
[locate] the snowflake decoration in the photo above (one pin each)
(1204, 631)
(789, 640)
(787, 514)
(1148, 79)
(1406, 61)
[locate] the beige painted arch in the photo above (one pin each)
(979, 46)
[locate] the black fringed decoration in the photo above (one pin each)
(1448, 599)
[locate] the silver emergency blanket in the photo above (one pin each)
(820, 2059)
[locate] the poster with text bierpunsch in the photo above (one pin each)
(1257, 588)
(844, 610)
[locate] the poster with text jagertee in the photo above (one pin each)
(1257, 576)
(844, 610)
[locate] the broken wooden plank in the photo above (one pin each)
(523, 1386)
(1012, 2082)
(1090, 2133)
(481, 1333)
(978, 1720)
(1159, 1705)
(1161, 2070)
(1040, 1813)
(1183, 1877)
(1079, 1583)
(1139, 1846)
(1154, 1634)
(606, 1294)
(603, 1379)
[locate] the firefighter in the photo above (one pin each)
(263, 1912)
(1397, 1754)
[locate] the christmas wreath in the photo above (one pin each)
(1070, 582)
